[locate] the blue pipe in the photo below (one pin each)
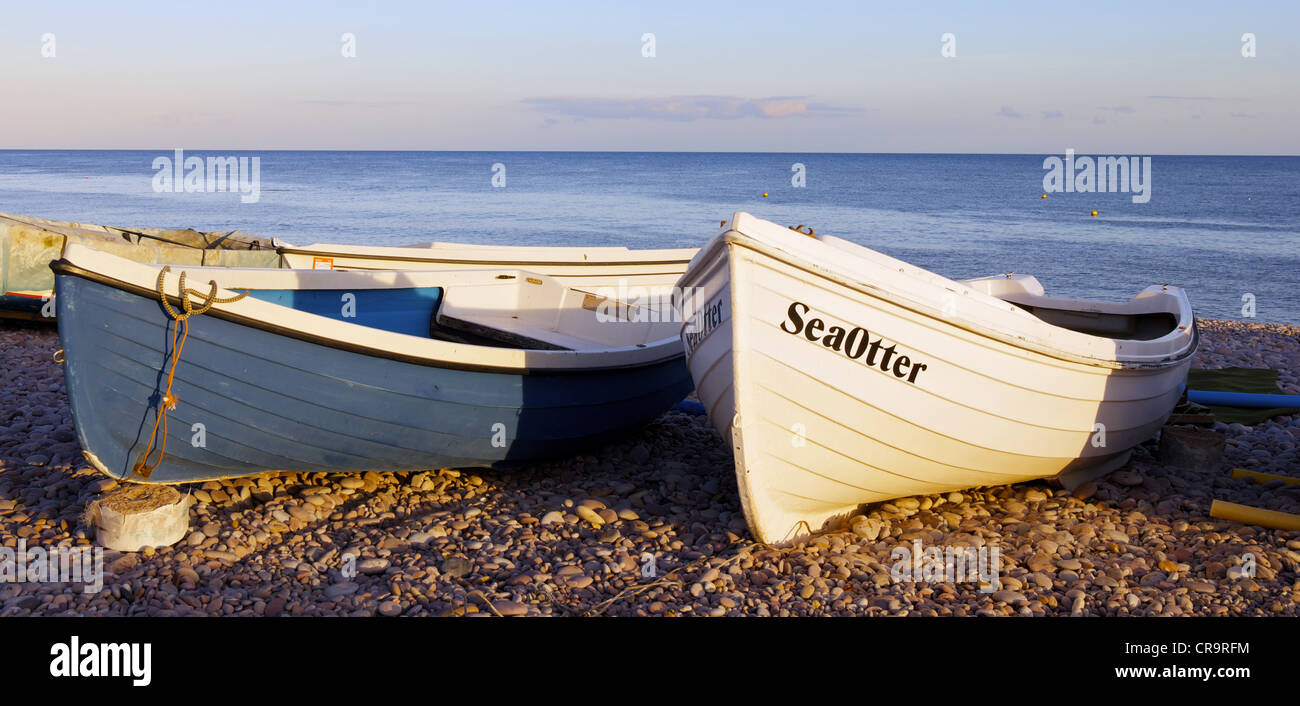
(689, 407)
(1243, 399)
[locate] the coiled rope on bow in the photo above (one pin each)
(180, 331)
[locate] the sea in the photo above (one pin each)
(1227, 229)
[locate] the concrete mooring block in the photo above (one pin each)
(1191, 448)
(137, 516)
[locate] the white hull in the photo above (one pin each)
(976, 392)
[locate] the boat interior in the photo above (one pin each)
(1150, 315)
(1146, 317)
(484, 308)
(1130, 327)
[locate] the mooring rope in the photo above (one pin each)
(180, 331)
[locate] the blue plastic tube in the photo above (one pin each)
(689, 407)
(1243, 399)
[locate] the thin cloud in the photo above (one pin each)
(1188, 98)
(686, 108)
(1007, 112)
(1053, 114)
(353, 103)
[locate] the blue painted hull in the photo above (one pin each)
(261, 401)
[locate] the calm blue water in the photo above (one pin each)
(1219, 226)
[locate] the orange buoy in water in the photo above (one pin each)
(1094, 214)
(764, 194)
(1044, 195)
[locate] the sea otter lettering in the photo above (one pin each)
(856, 343)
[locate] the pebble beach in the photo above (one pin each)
(652, 525)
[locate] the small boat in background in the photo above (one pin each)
(304, 370)
(842, 376)
(28, 245)
(583, 267)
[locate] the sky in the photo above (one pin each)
(1026, 77)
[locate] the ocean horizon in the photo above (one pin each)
(1223, 227)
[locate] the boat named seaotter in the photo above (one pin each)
(853, 342)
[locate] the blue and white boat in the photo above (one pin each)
(327, 371)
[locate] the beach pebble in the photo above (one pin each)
(302, 513)
(275, 606)
(456, 567)
(1039, 562)
(578, 580)
(589, 515)
(509, 608)
(868, 528)
(1127, 478)
(1084, 491)
(1009, 596)
(1077, 607)
(338, 590)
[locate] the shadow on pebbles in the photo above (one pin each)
(652, 526)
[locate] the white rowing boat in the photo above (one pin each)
(842, 376)
(611, 268)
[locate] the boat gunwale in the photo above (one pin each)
(344, 254)
(63, 267)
